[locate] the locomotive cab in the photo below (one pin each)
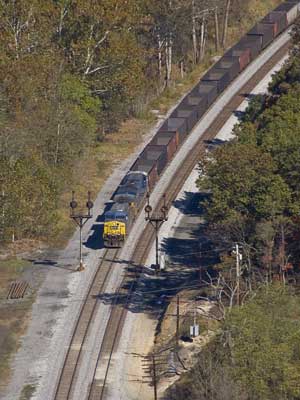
(115, 225)
(114, 228)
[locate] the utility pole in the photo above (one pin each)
(156, 222)
(154, 377)
(238, 257)
(177, 320)
(200, 262)
(80, 219)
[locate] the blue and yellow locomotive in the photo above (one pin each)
(126, 203)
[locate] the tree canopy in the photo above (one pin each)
(72, 70)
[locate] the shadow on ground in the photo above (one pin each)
(95, 240)
(189, 255)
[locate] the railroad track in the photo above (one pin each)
(70, 371)
(98, 389)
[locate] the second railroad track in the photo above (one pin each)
(98, 388)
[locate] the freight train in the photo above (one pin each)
(144, 173)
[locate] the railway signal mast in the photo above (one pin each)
(156, 221)
(81, 219)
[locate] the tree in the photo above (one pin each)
(27, 199)
(242, 180)
(265, 344)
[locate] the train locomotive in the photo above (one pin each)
(125, 205)
(144, 173)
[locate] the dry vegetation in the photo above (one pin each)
(14, 314)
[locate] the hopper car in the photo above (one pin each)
(130, 196)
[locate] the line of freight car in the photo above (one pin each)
(291, 10)
(253, 43)
(278, 20)
(242, 54)
(178, 125)
(264, 32)
(149, 168)
(157, 154)
(196, 103)
(218, 75)
(231, 64)
(191, 110)
(275, 22)
(168, 139)
(175, 129)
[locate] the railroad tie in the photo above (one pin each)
(17, 290)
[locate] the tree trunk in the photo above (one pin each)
(57, 143)
(202, 40)
(181, 69)
(225, 26)
(194, 33)
(168, 50)
(217, 39)
(282, 253)
(159, 43)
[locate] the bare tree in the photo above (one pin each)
(225, 25)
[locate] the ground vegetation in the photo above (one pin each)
(254, 354)
(72, 71)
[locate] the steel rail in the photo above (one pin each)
(118, 314)
(66, 386)
(70, 370)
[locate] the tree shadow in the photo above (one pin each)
(214, 143)
(249, 96)
(239, 114)
(191, 203)
(187, 259)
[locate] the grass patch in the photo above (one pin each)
(27, 392)
(13, 323)
(10, 270)
(13, 315)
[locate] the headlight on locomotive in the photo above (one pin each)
(114, 233)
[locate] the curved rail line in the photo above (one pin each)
(98, 387)
(73, 358)
(117, 318)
